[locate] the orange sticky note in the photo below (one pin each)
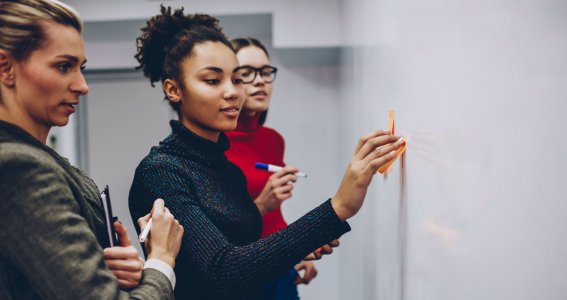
(391, 122)
(385, 167)
(391, 125)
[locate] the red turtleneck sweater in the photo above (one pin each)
(250, 143)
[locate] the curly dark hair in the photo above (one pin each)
(170, 37)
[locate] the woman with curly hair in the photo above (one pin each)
(223, 255)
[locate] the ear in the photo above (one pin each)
(6, 68)
(172, 90)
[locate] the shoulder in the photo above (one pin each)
(17, 158)
(29, 174)
(156, 169)
(158, 161)
(13, 150)
(272, 136)
(271, 132)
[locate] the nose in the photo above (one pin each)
(80, 85)
(259, 80)
(231, 92)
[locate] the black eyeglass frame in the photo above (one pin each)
(257, 71)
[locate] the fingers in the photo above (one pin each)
(143, 221)
(284, 180)
(283, 193)
(128, 279)
(323, 250)
(300, 278)
(375, 144)
(120, 253)
(122, 233)
(124, 265)
(326, 249)
(316, 254)
(310, 272)
(362, 141)
(127, 284)
(383, 155)
(164, 240)
(311, 256)
(335, 243)
(284, 171)
(159, 208)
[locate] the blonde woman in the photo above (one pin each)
(53, 233)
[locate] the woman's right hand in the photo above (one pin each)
(164, 240)
(277, 189)
(373, 151)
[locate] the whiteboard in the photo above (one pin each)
(480, 91)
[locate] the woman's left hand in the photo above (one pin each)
(308, 275)
(123, 261)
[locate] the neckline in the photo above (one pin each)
(246, 123)
(188, 143)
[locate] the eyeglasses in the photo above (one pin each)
(248, 73)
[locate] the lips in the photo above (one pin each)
(231, 109)
(72, 106)
(259, 93)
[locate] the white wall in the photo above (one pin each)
(317, 20)
(125, 117)
(479, 89)
(305, 110)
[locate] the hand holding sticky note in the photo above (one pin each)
(392, 126)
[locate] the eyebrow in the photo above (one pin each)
(249, 66)
(71, 58)
(214, 69)
(219, 70)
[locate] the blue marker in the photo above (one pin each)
(272, 168)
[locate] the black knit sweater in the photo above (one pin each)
(222, 255)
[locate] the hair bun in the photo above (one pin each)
(163, 32)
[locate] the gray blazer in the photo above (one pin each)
(52, 229)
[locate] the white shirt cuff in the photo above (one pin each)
(160, 265)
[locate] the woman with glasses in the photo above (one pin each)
(252, 142)
(222, 254)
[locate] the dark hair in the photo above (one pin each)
(21, 28)
(168, 38)
(240, 43)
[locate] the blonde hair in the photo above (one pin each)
(20, 23)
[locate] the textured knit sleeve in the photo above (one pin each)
(233, 270)
(47, 240)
